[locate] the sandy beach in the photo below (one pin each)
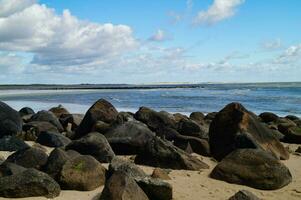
(194, 185)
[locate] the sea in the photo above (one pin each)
(280, 98)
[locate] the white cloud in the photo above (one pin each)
(159, 36)
(290, 55)
(272, 44)
(11, 63)
(9, 7)
(60, 40)
(218, 11)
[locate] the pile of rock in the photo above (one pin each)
(239, 140)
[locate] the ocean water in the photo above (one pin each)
(280, 98)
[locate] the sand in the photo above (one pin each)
(196, 185)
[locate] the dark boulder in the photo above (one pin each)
(197, 117)
(292, 117)
(73, 119)
(244, 195)
(82, 173)
(267, 117)
(10, 121)
(127, 167)
(33, 129)
(29, 158)
(191, 128)
(163, 154)
(29, 183)
(12, 143)
(155, 189)
(59, 110)
(94, 144)
(129, 138)
(57, 158)
(52, 139)
(210, 116)
(101, 110)
(8, 169)
(254, 168)
(122, 187)
(292, 135)
(101, 127)
(154, 120)
(26, 111)
(234, 127)
(47, 116)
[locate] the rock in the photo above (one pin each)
(59, 110)
(52, 139)
(244, 195)
(12, 143)
(161, 174)
(7, 169)
(234, 127)
(29, 158)
(122, 187)
(129, 138)
(82, 173)
(127, 167)
(26, 111)
(29, 183)
(197, 117)
(177, 117)
(254, 168)
(154, 120)
(101, 110)
(292, 117)
(210, 116)
(10, 121)
(123, 117)
(101, 127)
(73, 119)
(267, 117)
(292, 135)
(298, 150)
(33, 129)
(94, 144)
(47, 116)
(163, 154)
(57, 158)
(155, 189)
(191, 128)
(199, 146)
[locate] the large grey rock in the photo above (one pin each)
(10, 121)
(82, 173)
(94, 144)
(29, 158)
(47, 116)
(29, 183)
(7, 169)
(127, 167)
(129, 138)
(101, 110)
(254, 168)
(234, 127)
(53, 139)
(12, 143)
(155, 189)
(122, 187)
(163, 154)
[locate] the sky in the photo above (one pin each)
(158, 41)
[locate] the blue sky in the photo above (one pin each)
(131, 41)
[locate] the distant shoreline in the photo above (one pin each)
(132, 86)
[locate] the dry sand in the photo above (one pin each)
(196, 185)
